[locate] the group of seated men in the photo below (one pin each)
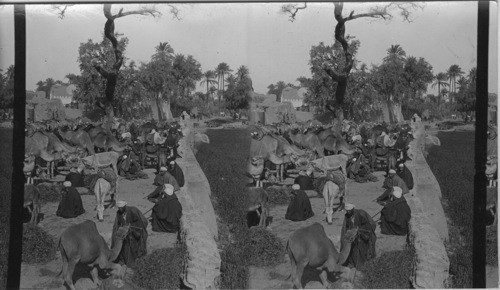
(394, 219)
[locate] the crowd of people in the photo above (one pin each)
(394, 216)
(165, 213)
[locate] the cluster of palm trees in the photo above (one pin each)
(7, 88)
(449, 79)
(222, 77)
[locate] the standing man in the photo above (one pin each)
(134, 245)
(167, 212)
(395, 215)
(363, 247)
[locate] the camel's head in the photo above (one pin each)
(122, 232)
(329, 215)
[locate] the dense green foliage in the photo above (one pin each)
(38, 245)
(453, 165)
(389, 271)
(224, 163)
(160, 269)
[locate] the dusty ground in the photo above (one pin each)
(42, 276)
(362, 196)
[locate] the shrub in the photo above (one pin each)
(278, 195)
(261, 248)
(234, 274)
(389, 271)
(48, 193)
(160, 269)
(38, 245)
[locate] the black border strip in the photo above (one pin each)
(17, 194)
(479, 233)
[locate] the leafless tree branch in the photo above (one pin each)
(61, 9)
(292, 9)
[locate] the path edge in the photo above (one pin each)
(428, 224)
(198, 222)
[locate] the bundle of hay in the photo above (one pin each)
(49, 192)
(278, 195)
(38, 245)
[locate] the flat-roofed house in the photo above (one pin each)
(294, 96)
(63, 93)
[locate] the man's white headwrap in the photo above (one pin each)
(169, 189)
(295, 187)
(397, 191)
(121, 203)
(349, 206)
(392, 171)
(67, 183)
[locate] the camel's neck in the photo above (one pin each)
(344, 254)
(115, 251)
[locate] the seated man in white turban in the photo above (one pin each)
(390, 182)
(167, 212)
(71, 204)
(299, 208)
(164, 177)
(363, 248)
(395, 215)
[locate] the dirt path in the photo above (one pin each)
(42, 276)
(362, 196)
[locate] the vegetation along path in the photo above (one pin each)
(453, 165)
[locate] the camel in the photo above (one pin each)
(101, 189)
(82, 243)
(310, 246)
(78, 138)
(102, 159)
(32, 197)
(255, 168)
(37, 145)
(259, 199)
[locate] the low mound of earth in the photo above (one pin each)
(132, 191)
(362, 196)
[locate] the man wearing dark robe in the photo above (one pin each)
(395, 215)
(363, 247)
(391, 181)
(165, 178)
(75, 177)
(134, 245)
(167, 212)
(299, 208)
(175, 170)
(406, 175)
(304, 181)
(71, 204)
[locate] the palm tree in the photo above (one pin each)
(208, 78)
(221, 70)
(453, 72)
(440, 80)
(163, 50)
(242, 72)
(395, 53)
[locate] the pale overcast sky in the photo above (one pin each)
(253, 34)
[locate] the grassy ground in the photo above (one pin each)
(225, 169)
(5, 185)
(453, 165)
